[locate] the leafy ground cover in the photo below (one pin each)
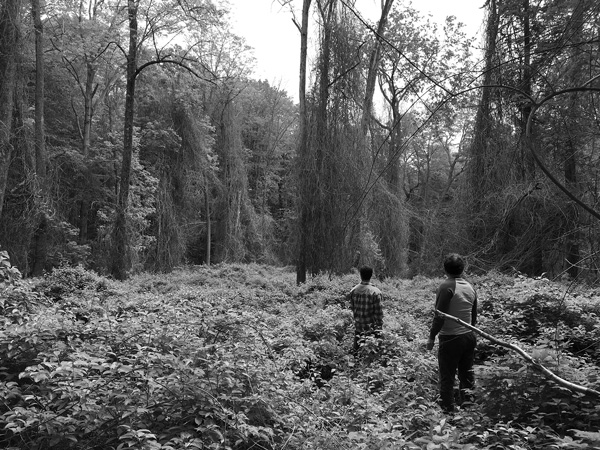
(239, 357)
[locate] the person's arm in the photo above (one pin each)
(442, 303)
(377, 312)
(474, 312)
(350, 299)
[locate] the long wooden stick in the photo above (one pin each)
(536, 364)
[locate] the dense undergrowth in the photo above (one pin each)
(239, 357)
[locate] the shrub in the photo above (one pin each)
(9, 275)
(65, 281)
(193, 362)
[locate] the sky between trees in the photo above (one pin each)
(269, 30)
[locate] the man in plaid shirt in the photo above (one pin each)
(365, 303)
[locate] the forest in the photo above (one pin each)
(134, 138)
(177, 237)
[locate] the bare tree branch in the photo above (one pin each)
(532, 361)
(177, 63)
(539, 161)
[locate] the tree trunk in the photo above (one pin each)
(304, 207)
(121, 260)
(85, 144)
(208, 223)
(9, 43)
(327, 16)
(528, 164)
(363, 155)
(572, 233)
(320, 256)
(40, 145)
(479, 148)
(40, 239)
(393, 171)
(533, 264)
(372, 70)
(574, 146)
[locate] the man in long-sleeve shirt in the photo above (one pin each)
(456, 297)
(365, 303)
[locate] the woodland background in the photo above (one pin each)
(133, 138)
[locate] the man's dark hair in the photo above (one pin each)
(454, 264)
(366, 273)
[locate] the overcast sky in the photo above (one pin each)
(268, 28)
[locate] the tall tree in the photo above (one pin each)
(160, 19)
(41, 233)
(40, 144)
(574, 130)
(423, 138)
(85, 42)
(10, 20)
(304, 206)
(529, 97)
(120, 252)
(363, 154)
(480, 147)
(269, 126)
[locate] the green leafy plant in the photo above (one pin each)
(64, 281)
(9, 275)
(206, 358)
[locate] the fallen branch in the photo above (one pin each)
(536, 364)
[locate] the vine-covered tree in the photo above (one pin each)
(161, 20)
(336, 160)
(538, 100)
(10, 19)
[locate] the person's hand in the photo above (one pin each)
(430, 344)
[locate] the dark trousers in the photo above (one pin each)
(456, 353)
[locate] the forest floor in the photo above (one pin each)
(240, 357)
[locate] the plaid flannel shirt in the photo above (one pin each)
(365, 303)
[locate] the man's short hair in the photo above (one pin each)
(366, 273)
(454, 264)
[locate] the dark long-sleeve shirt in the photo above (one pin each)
(455, 296)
